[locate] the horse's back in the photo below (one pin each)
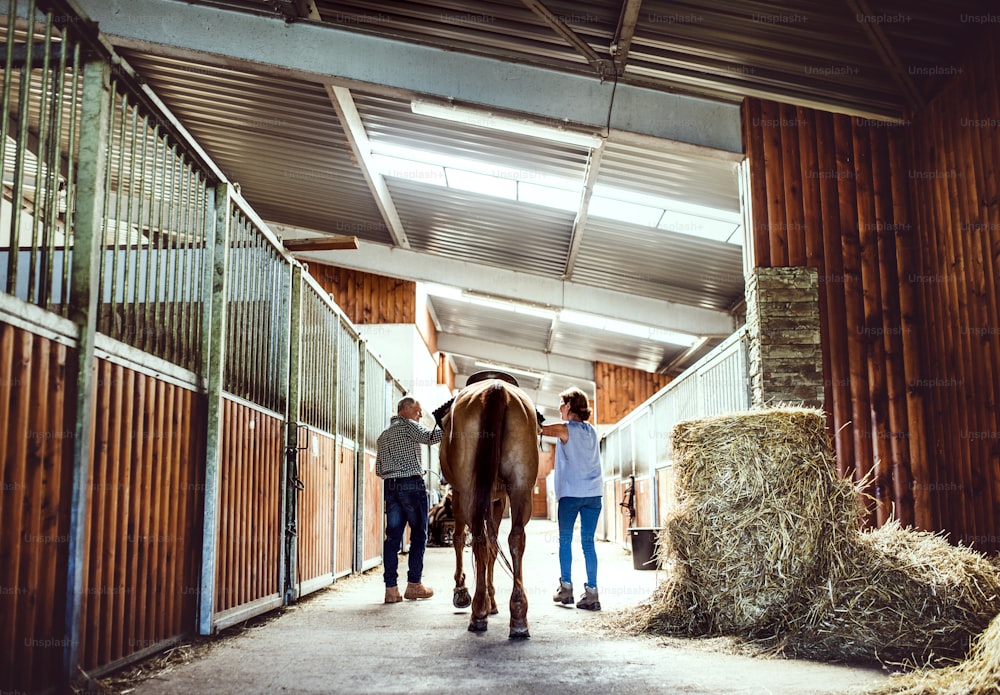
(519, 458)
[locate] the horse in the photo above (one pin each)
(489, 454)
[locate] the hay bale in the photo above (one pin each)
(766, 543)
(979, 674)
(759, 507)
(900, 595)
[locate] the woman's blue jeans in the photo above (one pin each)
(405, 503)
(589, 509)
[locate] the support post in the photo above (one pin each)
(88, 239)
(215, 361)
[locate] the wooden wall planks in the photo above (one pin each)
(36, 437)
(144, 525)
(902, 222)
(252, 449)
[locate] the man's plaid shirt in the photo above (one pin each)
(399, 448)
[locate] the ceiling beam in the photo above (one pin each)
(603, 66)
(890, 59)
(622, 44)
(558, 365)
(357, 138)
(330, 243)
(580, 223)
(525, 287)
(326, 54)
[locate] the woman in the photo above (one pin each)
(579, 490)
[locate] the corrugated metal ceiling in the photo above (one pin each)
(280, 137)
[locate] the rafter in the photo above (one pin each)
(603, 66)
(622, 44)
(887, 54)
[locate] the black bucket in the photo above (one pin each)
(643, 548)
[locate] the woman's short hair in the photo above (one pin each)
(577, 401)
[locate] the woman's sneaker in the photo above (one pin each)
(589, 600)
(565, 593)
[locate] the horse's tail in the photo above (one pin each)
(488, 451)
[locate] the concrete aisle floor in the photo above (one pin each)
(345, 640)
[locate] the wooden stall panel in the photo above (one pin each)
(248, 546)
(343, 534)
(645, 500)
(665, 494)
(367, 297)
(621, 389)
(373, 513)
(36, 436)
(317, 465)
(144, 524)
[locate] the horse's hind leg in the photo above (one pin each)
(460, 598)
(480, 601)
(518, 598)
(498, 506)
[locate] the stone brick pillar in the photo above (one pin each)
(785, 357)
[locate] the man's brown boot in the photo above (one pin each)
(418, 590)
(392, 594)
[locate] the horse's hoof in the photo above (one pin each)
(494, 611)
(477, 625)
(461, 598)
(519, 633)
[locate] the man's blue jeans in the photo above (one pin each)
(589, 509)
(405, 503)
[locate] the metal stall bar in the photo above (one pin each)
(83, 303)
(359, 459)
(214, 347)
(38, 130)
(293, 481)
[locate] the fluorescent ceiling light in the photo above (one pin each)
(629, 328)
(506, 124)
(486, 178)
(409, 169)
(624, 212)
(673, 215)
(549, 196)
(481, 183)
(509, 370)
(707, 228)
(516, 307)
(458, 295)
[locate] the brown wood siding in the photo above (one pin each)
(834, 208)
(445, 374)
(344, 512)
(366, 297)
(144, 525)
(372, 542)
(317, 464)
(954, 149)
(621, 389)
(645, 501)
(248, 544)
(36, 436)
(902, 223)
(664, 494)
(425, 324)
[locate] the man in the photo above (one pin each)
(398, 463)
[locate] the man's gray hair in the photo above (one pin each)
(405, 402)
